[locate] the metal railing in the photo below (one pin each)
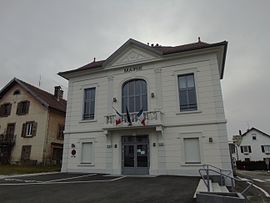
(7, 139)
(221, 171)
(150, 116)
(208, 168)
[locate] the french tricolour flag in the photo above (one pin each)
(141, 117)
(118, 118)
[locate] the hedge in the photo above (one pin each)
(251, 165)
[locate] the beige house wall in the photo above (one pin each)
(55, 119)
(47, 124)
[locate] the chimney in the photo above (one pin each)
(58, 92)
(240, 132)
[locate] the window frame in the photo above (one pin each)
(123, 109)
(248, 147)
(181, 147)
(25, 129)
(83, 105)
(184, 71)
(92, 163)
(6, 108)
(192, 162)
(20, 111)
(264, 149)
(29, 124)
(195, 89)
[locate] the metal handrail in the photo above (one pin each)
(250, 182)
(216, 167)
(219, 169)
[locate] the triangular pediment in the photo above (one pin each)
(132, 52)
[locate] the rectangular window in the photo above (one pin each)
(246, 149)
(23, 107)
(29, 129)
(89, 103)
(5, 109)
(266, 149)
(87, 153)
(187, 92)
(192, 151)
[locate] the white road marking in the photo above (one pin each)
(265, 193)
(20, 180)
(245, 179)
(61, 179)
(29, 174)
(262, 190)
(259, 180)
(70, 182)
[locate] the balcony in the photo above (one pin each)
(153, 119)
(7, 139)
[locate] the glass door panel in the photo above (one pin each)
(128, 155)
(142, 155)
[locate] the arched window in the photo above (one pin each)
(134, 95)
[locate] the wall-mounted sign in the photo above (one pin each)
(73, 153)
(132, 68)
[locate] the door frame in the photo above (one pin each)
(135, 170)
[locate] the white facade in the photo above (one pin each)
(255, 146)
(171, 133)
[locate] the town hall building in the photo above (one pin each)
(147, 109)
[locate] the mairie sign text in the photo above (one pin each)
(132, 68)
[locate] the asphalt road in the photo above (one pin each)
(68, 188)
(259, 178)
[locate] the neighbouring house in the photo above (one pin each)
(31, 124)
(253, 145)
(147, 109)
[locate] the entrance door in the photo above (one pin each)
(135, 155)
(26, 152)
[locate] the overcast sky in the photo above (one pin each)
(44, 37)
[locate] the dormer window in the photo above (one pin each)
(16, 92)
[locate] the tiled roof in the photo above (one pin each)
(163, 50)
(176, 49)
(93, 64)
(46, 98)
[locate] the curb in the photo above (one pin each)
(27, 174)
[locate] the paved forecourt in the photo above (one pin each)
(75, 187)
